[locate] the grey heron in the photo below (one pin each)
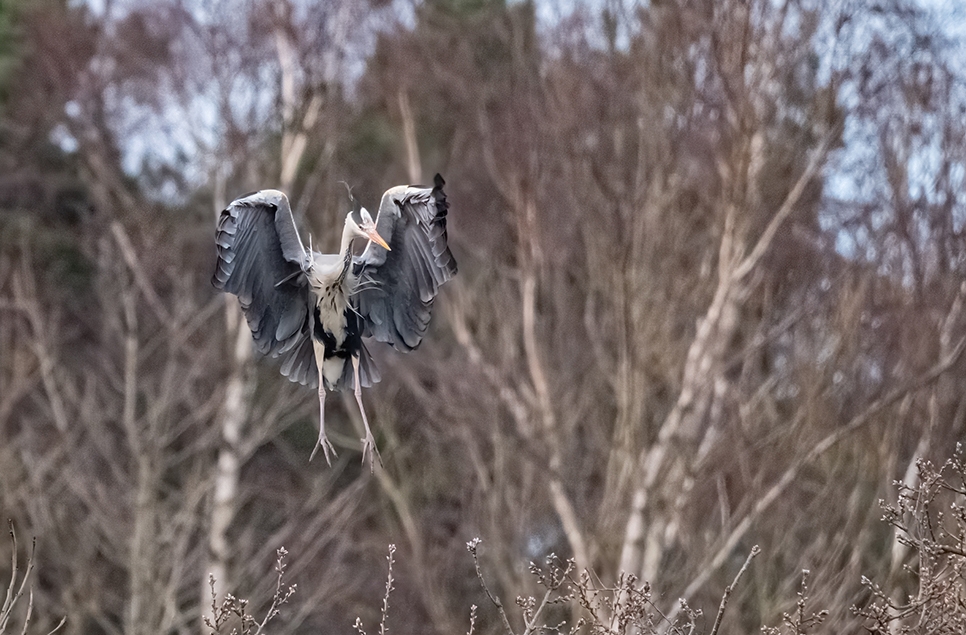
(313, 310)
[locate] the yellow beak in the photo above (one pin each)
(376, 238)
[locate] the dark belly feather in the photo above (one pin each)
(351, 343)
(352, 346)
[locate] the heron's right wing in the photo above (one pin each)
(397, 288)
(260, 261)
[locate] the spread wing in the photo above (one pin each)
(260, 257)
(396, 288)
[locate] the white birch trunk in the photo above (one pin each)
(652, 524)
(231, 422)
(239, 387)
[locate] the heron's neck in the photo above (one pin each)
(333, 272)
(347, 236)
(345, 250)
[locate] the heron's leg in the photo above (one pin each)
(369, 443)
(323, 440)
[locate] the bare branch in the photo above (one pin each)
(140, 277)
(788, 205)
(15, 591)
(472, 546)
(790, 475)
(383, 629)
(730, 588)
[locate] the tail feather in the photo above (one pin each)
(368, 372)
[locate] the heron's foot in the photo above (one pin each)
(369, 449)
(328, 451)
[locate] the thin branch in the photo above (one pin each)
(532, 626)
(472, 619)
(8, 600)
(14, 593)
(140, 278)
(282, 594)
(765, 502)
(62, 621)
(389, 588)
(30, 612)
(764, 241)
(25, 295)
(731, 587)
(471, 546)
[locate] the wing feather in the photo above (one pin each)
(258, 246)
(397, 288)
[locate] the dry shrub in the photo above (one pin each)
(233, 612)
(20, 584)
(930, 522)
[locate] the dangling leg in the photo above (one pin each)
(323, 440)
(369, 443)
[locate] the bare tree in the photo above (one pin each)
(709, 297)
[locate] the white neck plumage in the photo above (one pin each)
(345, 249)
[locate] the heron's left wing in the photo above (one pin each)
(396, 288)
(259, 255)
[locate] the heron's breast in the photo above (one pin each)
(331, 303)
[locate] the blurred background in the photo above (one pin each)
(711, 256)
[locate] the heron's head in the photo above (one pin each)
(363, 226)
(360, 221)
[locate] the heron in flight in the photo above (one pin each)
(313, 310)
